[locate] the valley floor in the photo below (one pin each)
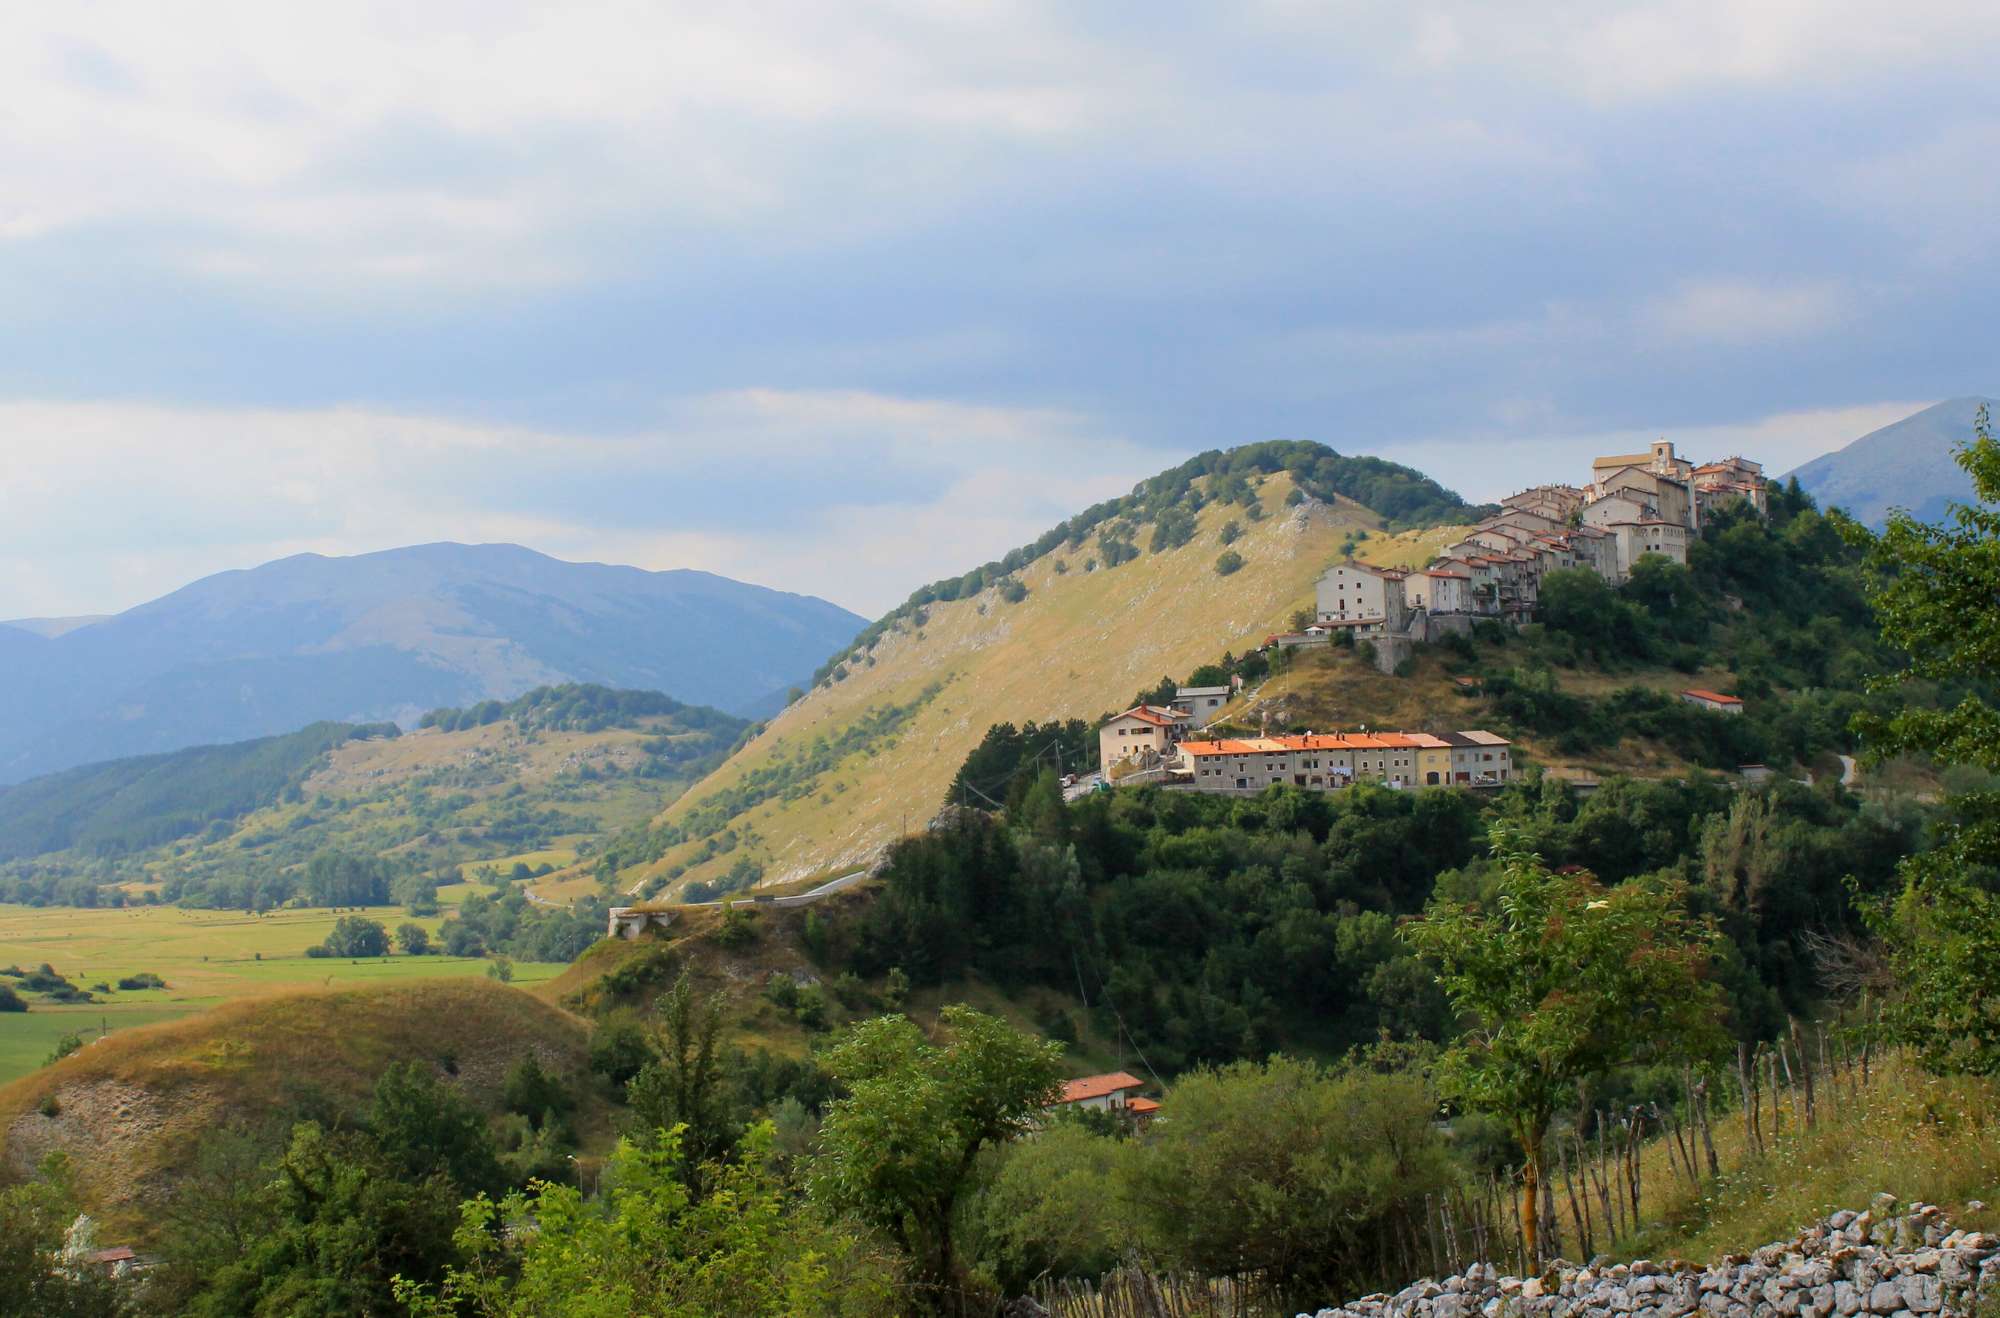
(206, 958)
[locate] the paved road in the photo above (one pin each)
(827, 889)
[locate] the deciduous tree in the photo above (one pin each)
(1564, 979)
(900, 1150)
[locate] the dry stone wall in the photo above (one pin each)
(1884, 1262)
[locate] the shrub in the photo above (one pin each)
(738, 931)
(1232, 531)
(10, 1000)
(357, 936)
(1228, 563)
(66, 1045)
(145, 979)
(1013, 591)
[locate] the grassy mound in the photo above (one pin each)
(129, 1110)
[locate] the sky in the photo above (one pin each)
(840, 299)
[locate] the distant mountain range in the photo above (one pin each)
(388, 636)
(1905, 465)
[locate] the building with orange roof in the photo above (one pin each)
(1112, 1092)
(1331, 760)
(1712, 700)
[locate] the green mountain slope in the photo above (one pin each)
(550, 772)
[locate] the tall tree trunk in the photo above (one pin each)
(1531, 1180)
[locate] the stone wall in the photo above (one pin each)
(1879, 1262)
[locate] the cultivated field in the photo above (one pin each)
(206, 957)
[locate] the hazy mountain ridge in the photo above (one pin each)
(1905, 465)
(379, 636)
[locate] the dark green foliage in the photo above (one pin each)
(145, 979)
(1289, 1176)
(1214, 926)
(535, 1094)
(335, 878)
(356, 936)
(340, 1223)
(999, 768)
(619, 1049)
(1938, 591)
(1228, 563)
(35, 1218)
(424, 1128)
(1012, 590)
(127, 805)
(1232, 531)
(512, 925)
(587, 707)
(1172, 528)
(683, 1084)
(737, 931)
(10, 1000)
(412, 940)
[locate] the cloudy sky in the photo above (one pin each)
(839, 298)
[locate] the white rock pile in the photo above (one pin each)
(1878, 1262)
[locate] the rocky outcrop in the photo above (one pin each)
(1882, 1262)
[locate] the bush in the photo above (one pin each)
(1291, 1171)
(66, 1045)
(738, 931)
(1013, 591)
(1229, 563)
(145, 979)
(10, 1000)
(357, 936)
(619, 1050)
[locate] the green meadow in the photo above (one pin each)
(205, 957)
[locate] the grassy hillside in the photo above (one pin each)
(125, 805)
(129, 1110)
(541, 777)
(868, 756)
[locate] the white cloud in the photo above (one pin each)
(462, 143)
(1490, 465)
(857, 497)
(1609, 51)
(1741, 312)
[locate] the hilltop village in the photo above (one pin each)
(1634, 505)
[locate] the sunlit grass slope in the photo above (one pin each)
(1079, 645)
(1916, 1136)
